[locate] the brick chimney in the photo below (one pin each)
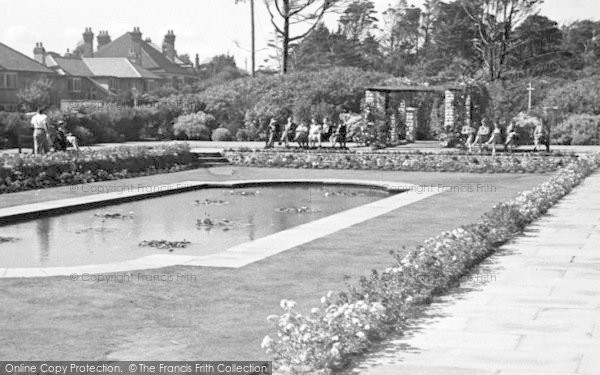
(136, 45)
(88, 42)
(168, 46)
(103, 38)
(197, 66)
(39, 53)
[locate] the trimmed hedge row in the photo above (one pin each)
(418, 162)
(24, 172)
(348, 323)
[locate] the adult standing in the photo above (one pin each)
(41, 136)
(288, 129)
(495, 138)
(340, 134)
(538, 134)
(272, 133)
(511, 136)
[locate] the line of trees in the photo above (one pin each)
(442, 40)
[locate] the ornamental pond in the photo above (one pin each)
(198, 223)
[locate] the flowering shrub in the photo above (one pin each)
(24, 172)
(443, 162)
(347, 323)
(194, 126)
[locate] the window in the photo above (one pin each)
(112, 84)
(74, 84)
(150, 85)
(8, 80)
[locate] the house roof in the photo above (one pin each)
(152, 58)
(100, 87)
(16, 61)
(119, 67)
(73, 67)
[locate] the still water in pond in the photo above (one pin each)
(212, 220)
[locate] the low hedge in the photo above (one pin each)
(348, 323)
(24, 172)
(402, 161)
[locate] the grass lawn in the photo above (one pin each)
(220, 314)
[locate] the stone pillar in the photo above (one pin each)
(468, 110)
(394, 128)
(402, 117)
(449, 110)
(411, 124)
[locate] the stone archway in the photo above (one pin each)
(402, 120)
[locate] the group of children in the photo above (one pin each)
(483, 136)
(307, 136)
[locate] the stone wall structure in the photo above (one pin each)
(377, 99)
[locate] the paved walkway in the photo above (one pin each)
(534, 308)
(424, 146)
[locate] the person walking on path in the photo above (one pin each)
(495, 138)
(41, 136)
(339, 136)
(273, 130)
(511, 136)
(288, 129)
(538, 134)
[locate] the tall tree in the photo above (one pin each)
(582, 39)
(358, 19)
(428, 18)
(538, 45)
(390, 38)
(252, 36)
(286, 14)
(496, 20)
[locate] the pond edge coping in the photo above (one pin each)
(234, 257)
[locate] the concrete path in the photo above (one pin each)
(534, 308)
(424, 146)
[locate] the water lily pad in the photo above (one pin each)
(343, 193)
(164, 244)
(211, 202)
(244, 193)
(296, 210)
(114, 215)
(96, 230)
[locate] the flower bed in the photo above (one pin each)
(403, 161)
(25, 172)
(347, 323)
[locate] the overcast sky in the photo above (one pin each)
(206, 27)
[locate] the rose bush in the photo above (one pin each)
(348, 322)
(24, 172)
(398, 161)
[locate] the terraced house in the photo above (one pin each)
(17, 72)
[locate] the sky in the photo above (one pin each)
(203, 27)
